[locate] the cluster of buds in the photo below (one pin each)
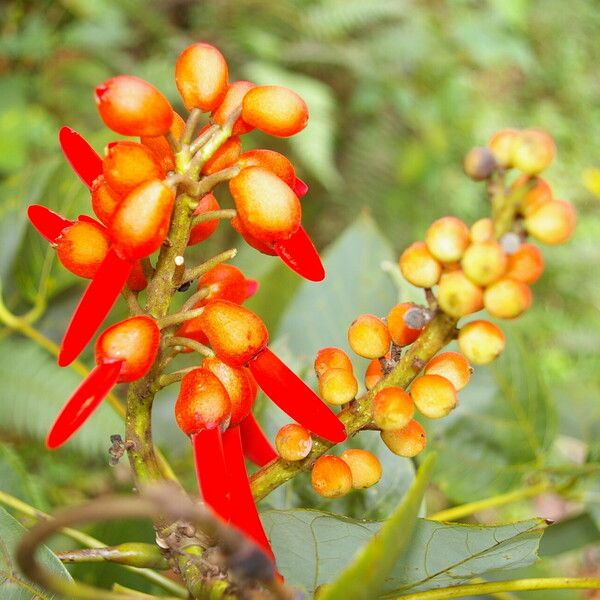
(137, 189)
(463, 270)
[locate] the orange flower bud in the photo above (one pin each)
(104, 199)
(553, 222)
(526, 264)
(293, 442)
(338, 386)
(419, 266)
(231, 101)
(458, 295)
(447, 239)
(331, 358)
(482, 230)
(451, 365)
(400, 332)
(408, 441)
(161, 147)
(224, 157)
(501, 144)
(484, 262)
(269, 159)
(82, 247)
(433, 395)
(373, 374)
(369, 337)
(203, 231)
(507, 298)
(533, 151)
(364, 465)
(392, 408)
(331, 477)
(539, 194)
(481, 341)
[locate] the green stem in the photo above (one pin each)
(211, 215)
(464, 510)
(206, 266)
(513, 585)
(437, 334)
(133, 554)
(90, 542)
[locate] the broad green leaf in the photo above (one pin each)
(366, 576)
(314, 146)
(34, 389)
(503, 427)
(13, 585)
(313, 547)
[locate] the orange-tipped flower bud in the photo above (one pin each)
(275, 110)
(484, 262)
(553, 222)
(141, 221)
(369, 337)
(235, 333)
(331, 477)
(131, 106)
(482, 230)
(267, 207)
(481, 342)
(129, 164)
(408, 441)
(134, 341)
(293, 442)
(401, 333)
(364, 465)
(224, 157)
(392, 408)
(271, 160)
(447, 239)
(507, 298)
(533, 151)
(202, 403)
(104, 199)
(458, 295)
(82, 247)
(433, 395)
(373, 374)
(501, 144)
(419, 266)
(331, 358)
(225, 282)
(161, 147)
(203, 231)
(231, 101)
(201, 76)
(526, 264)
(338, 386)
(239, 385)
(451, 365)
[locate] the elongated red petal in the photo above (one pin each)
(257, 446)
(299, 254)
(294, 397)
(48, 223)
(81, 156)
(211, 470)
(244, 514)
(95, 304)
(300, 187)
(82, 403)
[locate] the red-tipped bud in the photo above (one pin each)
(82, 247)
(137, 280)
(275, 110)
(225, 282)
(104, 199)
(131, 106)
(127, 165)
(201, 76)
(202, 403)
(141, 221)
(240, 386)
(267, 207)
(231, 101)
(235, 333)
(271, 160)
(133, 341)
(161, 147)
(224, 157)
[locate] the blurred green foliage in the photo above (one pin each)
(398, 90)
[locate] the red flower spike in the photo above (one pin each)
(48, 223)
(300, 187)
(211, 470)
(294, 397)
(257, 446)
(244, 514)
(95, 304)
(80, 155)
(299, 254)
(82, 403)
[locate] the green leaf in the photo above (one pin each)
(13, 585)
(366, 576)
(35, 388)
(503, 427)
(15, 480)
(314, 146)
(313, 547)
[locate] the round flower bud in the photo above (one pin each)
(553, 222)
(331, 358)
(451, 365)
(408, 441)
(433, 395)
(338, 386)
(331, 477)
(293, 442)
(526, 264)
(458, 295)
(533, 151)
(479, 163)
(368, 336)
(401, 332)
(364, 465)
(507, 298)
(501, 145)
(482, 230)
(392, 408)
(447, 239)
(419, 266)
(484, 262)
(481, 342)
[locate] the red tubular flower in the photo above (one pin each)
(124, 352)
(257, 446)
(238, 338)
(48, 223)
(300, 187)
(299, 254)
(80, 155)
